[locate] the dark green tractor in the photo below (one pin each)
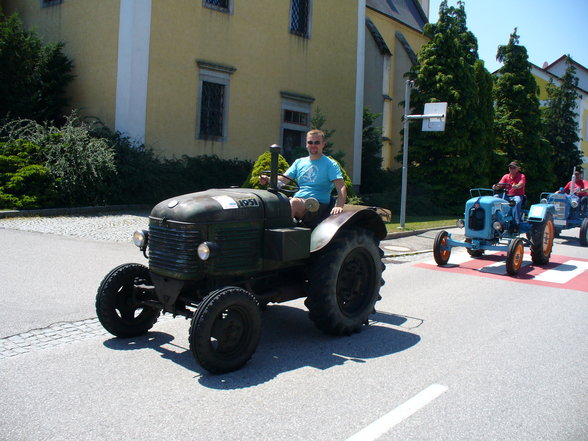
(219, 256)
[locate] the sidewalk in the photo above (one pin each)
(404, 243)
(117, 221)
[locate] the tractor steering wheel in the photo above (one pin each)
(289, 188)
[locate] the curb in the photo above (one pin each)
(53, 212)
(400, 234)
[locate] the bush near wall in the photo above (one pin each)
(24, 182)
(84, 163)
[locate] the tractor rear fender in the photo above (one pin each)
(538, 212)
(367, 218)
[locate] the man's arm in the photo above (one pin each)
(341, 196)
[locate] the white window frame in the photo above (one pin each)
(294, 103)
(213, 73)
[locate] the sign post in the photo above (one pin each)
(433, 121)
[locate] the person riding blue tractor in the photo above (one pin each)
(494, 220)
(571, 206)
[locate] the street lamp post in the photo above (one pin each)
(432, 122)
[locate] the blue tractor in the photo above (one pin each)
(567, 214)
(490, 225)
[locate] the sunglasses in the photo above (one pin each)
(313, 142)
(512, 166)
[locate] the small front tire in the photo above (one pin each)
(118, 301)
(441, 251)
(514, 256)
(225, 330)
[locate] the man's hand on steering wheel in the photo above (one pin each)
(289, 187)
(501, 185)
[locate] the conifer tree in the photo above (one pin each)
(518, 119)
(372, 174)
(453, 161)
(560, 124)
(33, 75)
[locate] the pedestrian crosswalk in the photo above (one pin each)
(561, 271)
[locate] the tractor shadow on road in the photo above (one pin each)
(161, 342)
(289, 341)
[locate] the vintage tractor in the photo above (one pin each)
(219, 256)
(490, 225)
(567, 214)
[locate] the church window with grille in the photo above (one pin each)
(300, 17)
(219, 5)
(213, 103)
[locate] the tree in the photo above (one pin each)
(560, 124)
(33, 76)
(372, 174)
(518, 119)
(451, 162)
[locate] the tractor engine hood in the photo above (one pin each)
(218, 205)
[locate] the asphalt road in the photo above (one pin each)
(448, 356)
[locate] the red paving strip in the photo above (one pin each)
(494, 266)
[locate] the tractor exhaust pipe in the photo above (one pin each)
(275, 151)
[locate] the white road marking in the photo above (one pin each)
(456, 258)
(499, 268)
(382, 425)
(563, 272)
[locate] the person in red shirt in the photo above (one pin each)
(514, 183)
(580, 190)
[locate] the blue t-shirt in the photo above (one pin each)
(315, 177)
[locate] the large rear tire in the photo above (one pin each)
(542, 235)
(344, 282)
(118, 301)
(225, 330)
(441, 251)
(584, 233)
(514, 256)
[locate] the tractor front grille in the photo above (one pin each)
(172, 248)
(476, 219)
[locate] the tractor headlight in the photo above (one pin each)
(543, 201)
(460, 223)
(206, 250)
(140, 238)
(574, 203)
(497, 226)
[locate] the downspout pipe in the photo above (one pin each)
(359, 84)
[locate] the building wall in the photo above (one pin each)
(400, 63)
(90, 32)
(254, 40)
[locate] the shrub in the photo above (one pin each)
(24, 182)
(79, 163)
(263, 163)
(33, 75)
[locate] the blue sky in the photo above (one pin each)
(547, 28)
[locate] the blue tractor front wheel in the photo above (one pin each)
(441, 250)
